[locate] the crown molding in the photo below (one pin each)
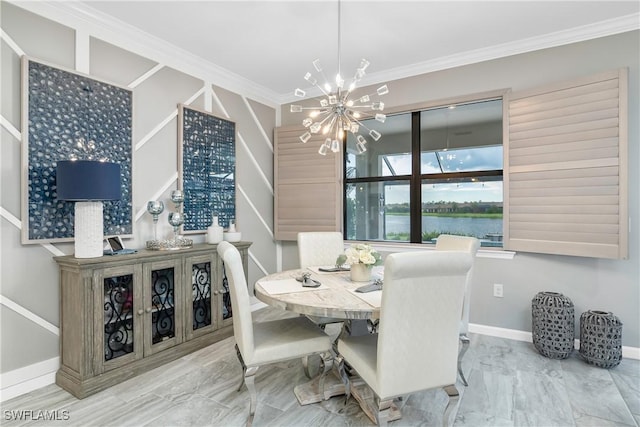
(80, 17)
(574, 35)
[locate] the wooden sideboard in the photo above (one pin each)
(122, 315)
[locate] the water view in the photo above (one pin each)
(482, 228)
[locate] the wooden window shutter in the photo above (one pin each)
(308, 186)
(566, 168)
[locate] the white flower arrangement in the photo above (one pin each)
(360, 253)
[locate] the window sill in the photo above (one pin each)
(494, 253)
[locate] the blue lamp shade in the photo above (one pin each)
(81, 180)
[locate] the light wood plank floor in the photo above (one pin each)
(510, 384)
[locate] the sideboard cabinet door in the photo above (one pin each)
(201, 273)
(163, 324)
(118, 318)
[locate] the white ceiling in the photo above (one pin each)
(272, 43)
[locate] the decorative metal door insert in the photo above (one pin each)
(201, 284)
(162, 299)
(118, 316)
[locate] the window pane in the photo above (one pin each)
(377, 211)
(470, 159)
(453, 132)
(465, 207)
(389, 156)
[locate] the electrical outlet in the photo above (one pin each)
(497, 290)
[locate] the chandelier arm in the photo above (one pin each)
(331, 124)
(325, 119)
(360, 123)
(324, 92)
(319, 110)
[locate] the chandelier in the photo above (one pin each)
(340, 110)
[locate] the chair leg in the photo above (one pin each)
(383, 409)
(249, 379)
(244, 367)
(464, 340)
(452, 392)
(326, 363)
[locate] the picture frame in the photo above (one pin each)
(66, 115)
(206, 168)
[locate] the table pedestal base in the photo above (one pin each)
(310, 392)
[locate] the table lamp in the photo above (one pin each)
(88, 183)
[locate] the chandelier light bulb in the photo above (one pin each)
(305, 137)
(335, 146)
(325, 147)
(296, 108)
(299, 93)
(382, 90)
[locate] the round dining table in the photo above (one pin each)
(335, 298)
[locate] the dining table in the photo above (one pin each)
(336, 296)
(334, 299)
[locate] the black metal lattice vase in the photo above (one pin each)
(552, 324)
(601, 338)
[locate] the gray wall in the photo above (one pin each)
(609, 285)
(29, 276)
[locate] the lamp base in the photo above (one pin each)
(89, 230)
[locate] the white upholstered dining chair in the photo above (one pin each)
(417, 342)
(262, 343)
(447, 242)
(319, 248)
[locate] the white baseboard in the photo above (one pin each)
(23, 380)
(513, 334)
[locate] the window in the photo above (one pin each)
(435, 171)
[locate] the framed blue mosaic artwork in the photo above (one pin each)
(207, 162)
(69, 115)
